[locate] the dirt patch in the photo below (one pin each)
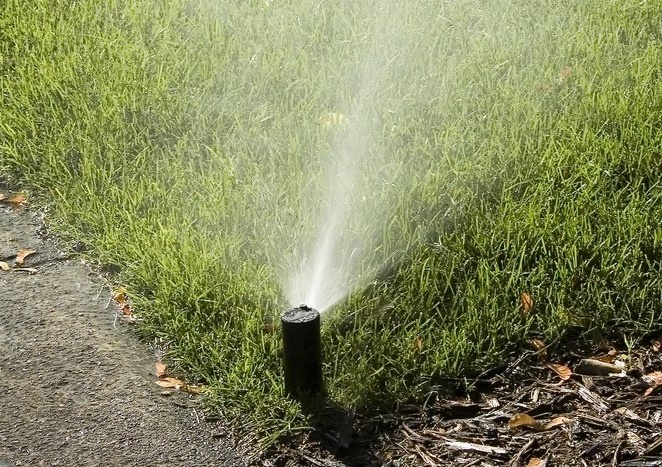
(77, 387)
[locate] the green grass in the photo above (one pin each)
(180, 144)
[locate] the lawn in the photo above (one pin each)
(483, 173)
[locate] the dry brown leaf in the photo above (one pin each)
(558, 421)
(130, 319)
(22, 254)
(418, 344)
(160, 369)
(527, 302)
(119, 296)
(564, 74)
(122, 299)
(332, 119)
(524, 420)
(654, 379)
(15, 200)
(175, 383)
(609, 357)
(4, 266)
(544, 87)
(540, 348)
(169, 382)
(536, 462)
(563, 371)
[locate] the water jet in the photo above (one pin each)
(302, 352)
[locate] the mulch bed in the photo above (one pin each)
(528, 413)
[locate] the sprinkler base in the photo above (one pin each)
(302, 352)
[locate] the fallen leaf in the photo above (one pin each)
(169, 382)
(536, 462)
(160, 369)
(527, 302)
(540, 348)
(558, 421)
(524, 420)
(609, 357)
(130, 319)
(120, 295)
(418, 344)
(122, 299)
(564, 74)
(544, 87)
(193, 389)
(22, 254)
(15, 200)
(178, 384)
(563, 371)
(4, 266)
(332, 119)
(654, 379)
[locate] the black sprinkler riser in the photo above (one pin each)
(302, 352)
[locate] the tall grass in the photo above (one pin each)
(179, 142)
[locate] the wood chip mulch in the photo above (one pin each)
(529, 413)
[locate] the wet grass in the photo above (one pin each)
(507, 150)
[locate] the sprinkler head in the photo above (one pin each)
(302, 352)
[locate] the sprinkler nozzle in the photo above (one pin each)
(302, 352)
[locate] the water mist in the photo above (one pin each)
(349, 216)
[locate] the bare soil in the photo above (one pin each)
(77, 388)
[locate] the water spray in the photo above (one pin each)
(302, 352)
